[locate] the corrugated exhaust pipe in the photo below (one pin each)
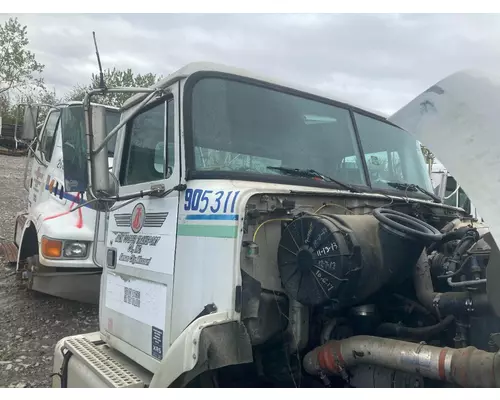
(466, 367)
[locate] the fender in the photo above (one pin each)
(29, 226)
(210, 342)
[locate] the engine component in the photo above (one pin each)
(493, 274)
(445, 303)
(404, 224)
(263, 313)
(343, 259)
(373, 376)
(336, 328)
(299, 325)
(365, 318)
(467, 367)
(422, 333)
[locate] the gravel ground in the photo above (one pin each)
(30, 323)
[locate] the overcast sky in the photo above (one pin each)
(380, 61)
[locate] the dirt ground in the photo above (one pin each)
(30, 323)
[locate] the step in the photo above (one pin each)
(110, 371)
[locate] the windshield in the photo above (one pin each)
(240, 127)
(112, 120)
(391, 154)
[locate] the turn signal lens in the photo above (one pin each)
(51, 248)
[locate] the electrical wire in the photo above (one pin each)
(267, 221)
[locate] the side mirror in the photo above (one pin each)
(75, 127)
(99, 165)
(74, 147)
(29, 129)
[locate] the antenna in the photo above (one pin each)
(102, 84)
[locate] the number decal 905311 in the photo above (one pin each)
(210, 201)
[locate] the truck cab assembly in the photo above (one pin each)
(260, 235)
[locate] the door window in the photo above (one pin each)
(48, 137)
(145, 145)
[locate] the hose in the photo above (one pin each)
(401, 331)
(445, 303)
(407, 225)
(457, 234)
(466, 367)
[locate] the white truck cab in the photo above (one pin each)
(56, 251)
(259, 234)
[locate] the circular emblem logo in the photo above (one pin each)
(138, 216)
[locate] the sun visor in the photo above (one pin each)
(458, 120)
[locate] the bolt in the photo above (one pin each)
(194, 356)
(195, 341)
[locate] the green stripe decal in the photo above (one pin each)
(217, 231)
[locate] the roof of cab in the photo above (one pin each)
(194, 67)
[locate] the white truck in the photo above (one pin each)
(54, 250)
(261, 235)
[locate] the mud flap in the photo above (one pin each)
(8, 251)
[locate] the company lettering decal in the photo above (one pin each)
(135, 245)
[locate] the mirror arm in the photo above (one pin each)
(103, 91)
(93, 92)
(32, 149)
(122, 123)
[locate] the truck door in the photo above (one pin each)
(42, 161)
(137, 282)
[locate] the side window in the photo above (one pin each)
(49, 135)
(145, 145)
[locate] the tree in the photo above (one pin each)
(18, 66)
(114, 78)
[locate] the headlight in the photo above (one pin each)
(75, 250)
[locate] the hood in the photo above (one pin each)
(458, 120)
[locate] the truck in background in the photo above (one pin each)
(53, 248)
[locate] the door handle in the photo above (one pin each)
(111, 258)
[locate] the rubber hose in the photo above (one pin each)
(448, 237)
(400, 331)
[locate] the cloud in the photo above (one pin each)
(380, 61)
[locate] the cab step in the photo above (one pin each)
(110, 371)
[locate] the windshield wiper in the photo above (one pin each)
(414, 188)
(311, 173)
